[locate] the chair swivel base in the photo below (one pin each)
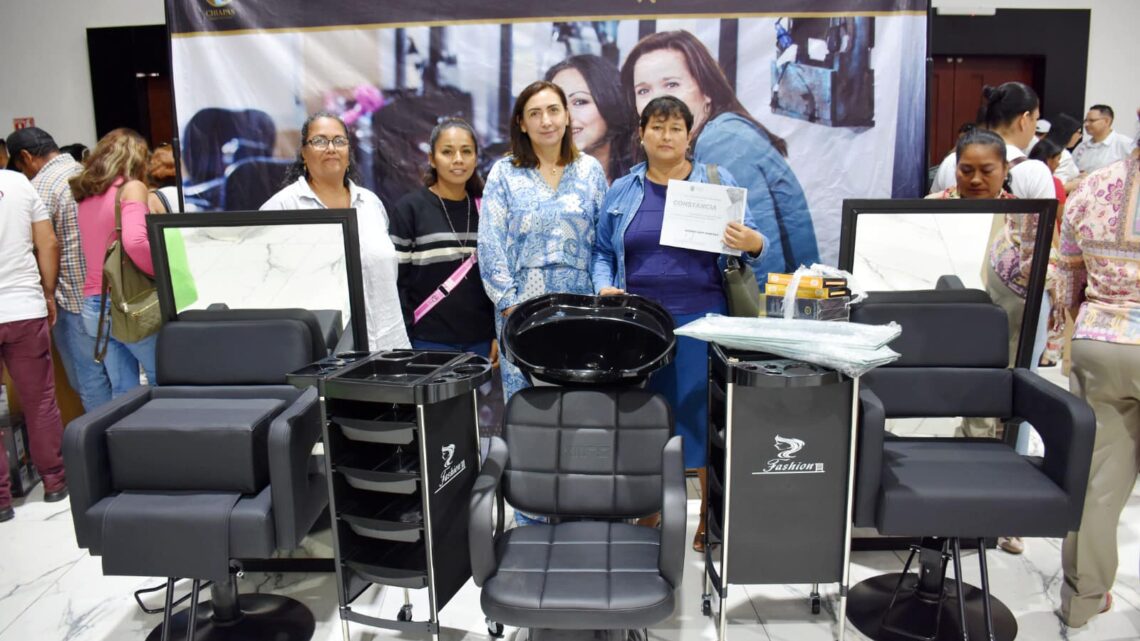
(868, 601)
(268, 617)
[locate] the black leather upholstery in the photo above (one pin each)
(588, 459)
(586, 452)
(318, 322)
(193, 444)
(965, 487)
(177, 480)
(580, 575)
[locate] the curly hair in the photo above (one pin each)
(122, 153)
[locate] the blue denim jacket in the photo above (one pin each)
(618, 209)
(774, 194)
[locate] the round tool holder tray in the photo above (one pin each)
(571, 339)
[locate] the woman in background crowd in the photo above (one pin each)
(540, 206)
(321, 178)
(1098, 280)
(434, 229)
(629, 257)
(114, 173)
(725, 134)
(1066, 133)
(601, 115)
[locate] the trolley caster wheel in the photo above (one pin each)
(706, 605)
(815, 604)
(405, 613)
(494, 629)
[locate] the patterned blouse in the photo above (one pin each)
(1012, 253)
(534, 239)
(1099, 264)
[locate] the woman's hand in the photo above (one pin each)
(610, 291)
(741, 238)
(494, 353)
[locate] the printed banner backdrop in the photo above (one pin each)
(841, 81)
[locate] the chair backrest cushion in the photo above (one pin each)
(954, 351)
(585, 452)
(233, 352)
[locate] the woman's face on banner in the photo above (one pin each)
(453, 156)
(666, 139)
(586, 123)
(981, 171)
(665, 72)
(545, 119)
(332, 161)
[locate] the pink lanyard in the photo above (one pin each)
(444, 289)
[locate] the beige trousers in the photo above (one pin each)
(1107, 376)
(1014, 307)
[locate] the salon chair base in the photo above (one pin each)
(267, 617)
(870, 599)
(545, 634)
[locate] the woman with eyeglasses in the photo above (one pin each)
(321, 178)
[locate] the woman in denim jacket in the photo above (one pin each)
(628, 257)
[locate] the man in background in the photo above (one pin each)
(1103, 146)
(29, 264)
(35, 154)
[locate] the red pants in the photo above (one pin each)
(25, 349)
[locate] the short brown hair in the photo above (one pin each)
(522, 151)
(122, 153)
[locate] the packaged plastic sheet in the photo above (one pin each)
(852, 348)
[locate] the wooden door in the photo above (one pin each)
(956, 92)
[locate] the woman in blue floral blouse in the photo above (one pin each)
(540, 205)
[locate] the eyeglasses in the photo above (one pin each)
(320, 143)
(1089, 121)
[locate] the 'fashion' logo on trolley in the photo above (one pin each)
(785, 461)
(450, 472)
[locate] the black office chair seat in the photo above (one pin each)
(936, 485)
(583, 574)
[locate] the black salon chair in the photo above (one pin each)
(954, 363)
(211, 467)
(590, 460)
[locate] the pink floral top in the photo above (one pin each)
(1099, 262)
(1012, 253)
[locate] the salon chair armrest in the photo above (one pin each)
(869, 458)
(298, 496)
(86, 459)
(481, 531)
(1067, 425)
(671, 559)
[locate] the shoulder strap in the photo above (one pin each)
(714, 175)
(119, 209)
(1017, 161)
(162, 199)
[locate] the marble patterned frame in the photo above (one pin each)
(346, 218)
(1046, 209)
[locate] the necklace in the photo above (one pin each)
(447, 217)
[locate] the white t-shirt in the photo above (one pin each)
(1067, 169)
(21, 292)
(377, 259)
(1029, 179)
(1091, 156)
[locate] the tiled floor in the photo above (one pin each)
(51, 590)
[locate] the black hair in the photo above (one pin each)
(966, 128)
(475, 182)
(1064, 126)
(666, 107)
(298, 169)
(76, 150)
(1104, 109)
(1045, 149)
(1005, 103)
(604, 82)
(983, 137)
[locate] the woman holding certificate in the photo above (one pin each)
(629, 257)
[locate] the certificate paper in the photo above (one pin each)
(697, 213)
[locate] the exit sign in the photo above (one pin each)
(23, 123)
